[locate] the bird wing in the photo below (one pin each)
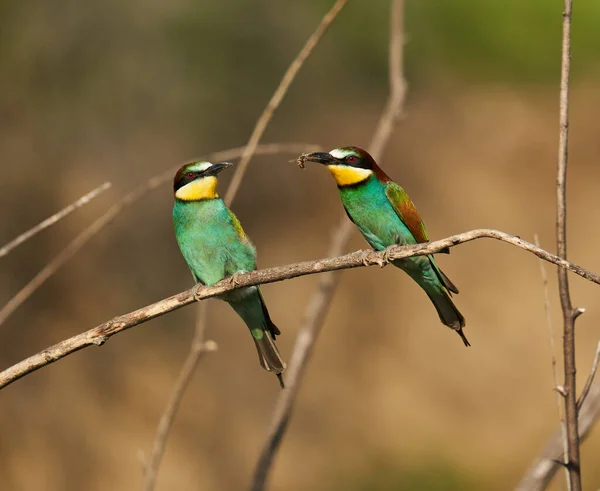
(240, 254)
(406, 211)
(237, 226)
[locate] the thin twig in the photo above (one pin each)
(193, 357)
(559, 399)
(277, 97)
(198, 348)
(100, 334)
(54, 218)
(590, 379)
(540, 473)
(321, 299)
(68, 252)
(569, 313)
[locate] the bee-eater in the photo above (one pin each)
(386, 216)
(215, 247)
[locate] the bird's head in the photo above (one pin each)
(348, 165)
(197, 181)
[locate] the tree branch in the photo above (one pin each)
(541, 472)
(319, 303)
(278, 96)
(569, 313)
(559, 397)
(100, 334)
(68, 252)
(195, 353)
(198, 348)
(54, 218)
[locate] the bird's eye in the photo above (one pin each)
(190, 175)
(351, 159)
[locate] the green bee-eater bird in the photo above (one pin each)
(386, 216)
(215, 247)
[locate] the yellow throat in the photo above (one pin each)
(346, 176)
(205, 188)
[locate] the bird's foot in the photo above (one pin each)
(234, 280)
(387, 253)
(382, 263)
(365, 258)
(196, 292)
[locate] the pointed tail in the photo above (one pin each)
(251, 307)
(449, 314)
(268, 355)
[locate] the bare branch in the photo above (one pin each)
(68, 252)
(278, 96)
(54, 218)
(559, 396)
(569, 314)
(590, 380)
(540, 473)
(193, 358)
(100, 334)
(395, 103)
(197, 350)
(321, 299)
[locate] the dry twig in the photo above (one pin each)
(68, 252)
(559, 400)
(100, 334)
(198, 348)
(540, 473)
(278, 96)
(54, 218)
(569, 313)
(194, 355)
(321, 299)
(590, 379)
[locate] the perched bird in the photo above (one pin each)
(386, 216)
(215, 247)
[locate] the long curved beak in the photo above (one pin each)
(216, 168)
(319, 158)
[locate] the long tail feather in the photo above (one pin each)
(449, 314)
(268, 354)
(252, 309)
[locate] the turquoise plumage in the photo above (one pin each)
(214, 246)
(386, 216)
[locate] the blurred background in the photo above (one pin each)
(121, 91)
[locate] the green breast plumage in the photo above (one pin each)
(211, 240)
(369, 208)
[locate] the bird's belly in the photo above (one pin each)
(214, 256)
(206, 260)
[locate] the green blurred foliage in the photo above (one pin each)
(510, 41)
(434, 475)
(203, 54)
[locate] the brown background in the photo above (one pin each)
(392, 400)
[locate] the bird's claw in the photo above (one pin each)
(196, 291)
(365, 258)
(234, 280)
(380, 262)
(387, 253)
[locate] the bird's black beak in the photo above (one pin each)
(319, 158)
(216, 168)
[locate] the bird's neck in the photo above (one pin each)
(346, 175)
(198, 190)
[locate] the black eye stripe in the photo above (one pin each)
(186, 178)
